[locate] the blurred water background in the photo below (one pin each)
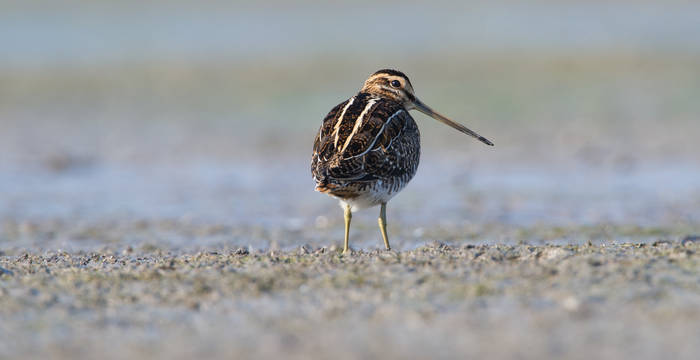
(131, 114)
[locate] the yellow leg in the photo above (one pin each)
(348, 217)
(382, 225)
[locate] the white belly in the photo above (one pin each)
(376, 196)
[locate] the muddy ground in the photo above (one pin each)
(524, 301)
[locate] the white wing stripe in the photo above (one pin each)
(340, 120)
(358, 122)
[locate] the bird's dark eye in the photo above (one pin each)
(395, 83)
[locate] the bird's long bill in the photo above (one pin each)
(425, 109)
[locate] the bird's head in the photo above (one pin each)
(392, 85)
(395, 86)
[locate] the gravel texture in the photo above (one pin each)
(518, 301)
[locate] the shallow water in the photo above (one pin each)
(254, 196)
(253, 193)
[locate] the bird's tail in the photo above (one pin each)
(323, 184)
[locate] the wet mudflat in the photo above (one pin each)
(622, 300)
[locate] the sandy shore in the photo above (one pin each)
(522, 301)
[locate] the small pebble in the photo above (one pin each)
(690, 239)
(305, 250)
(571, 304)
(241, 251)
(662, 242)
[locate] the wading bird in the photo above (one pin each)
(368, 146)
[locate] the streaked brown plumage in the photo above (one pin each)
(368, 146)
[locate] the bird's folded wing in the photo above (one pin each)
(374, 152)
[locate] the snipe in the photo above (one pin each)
(368, 146)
